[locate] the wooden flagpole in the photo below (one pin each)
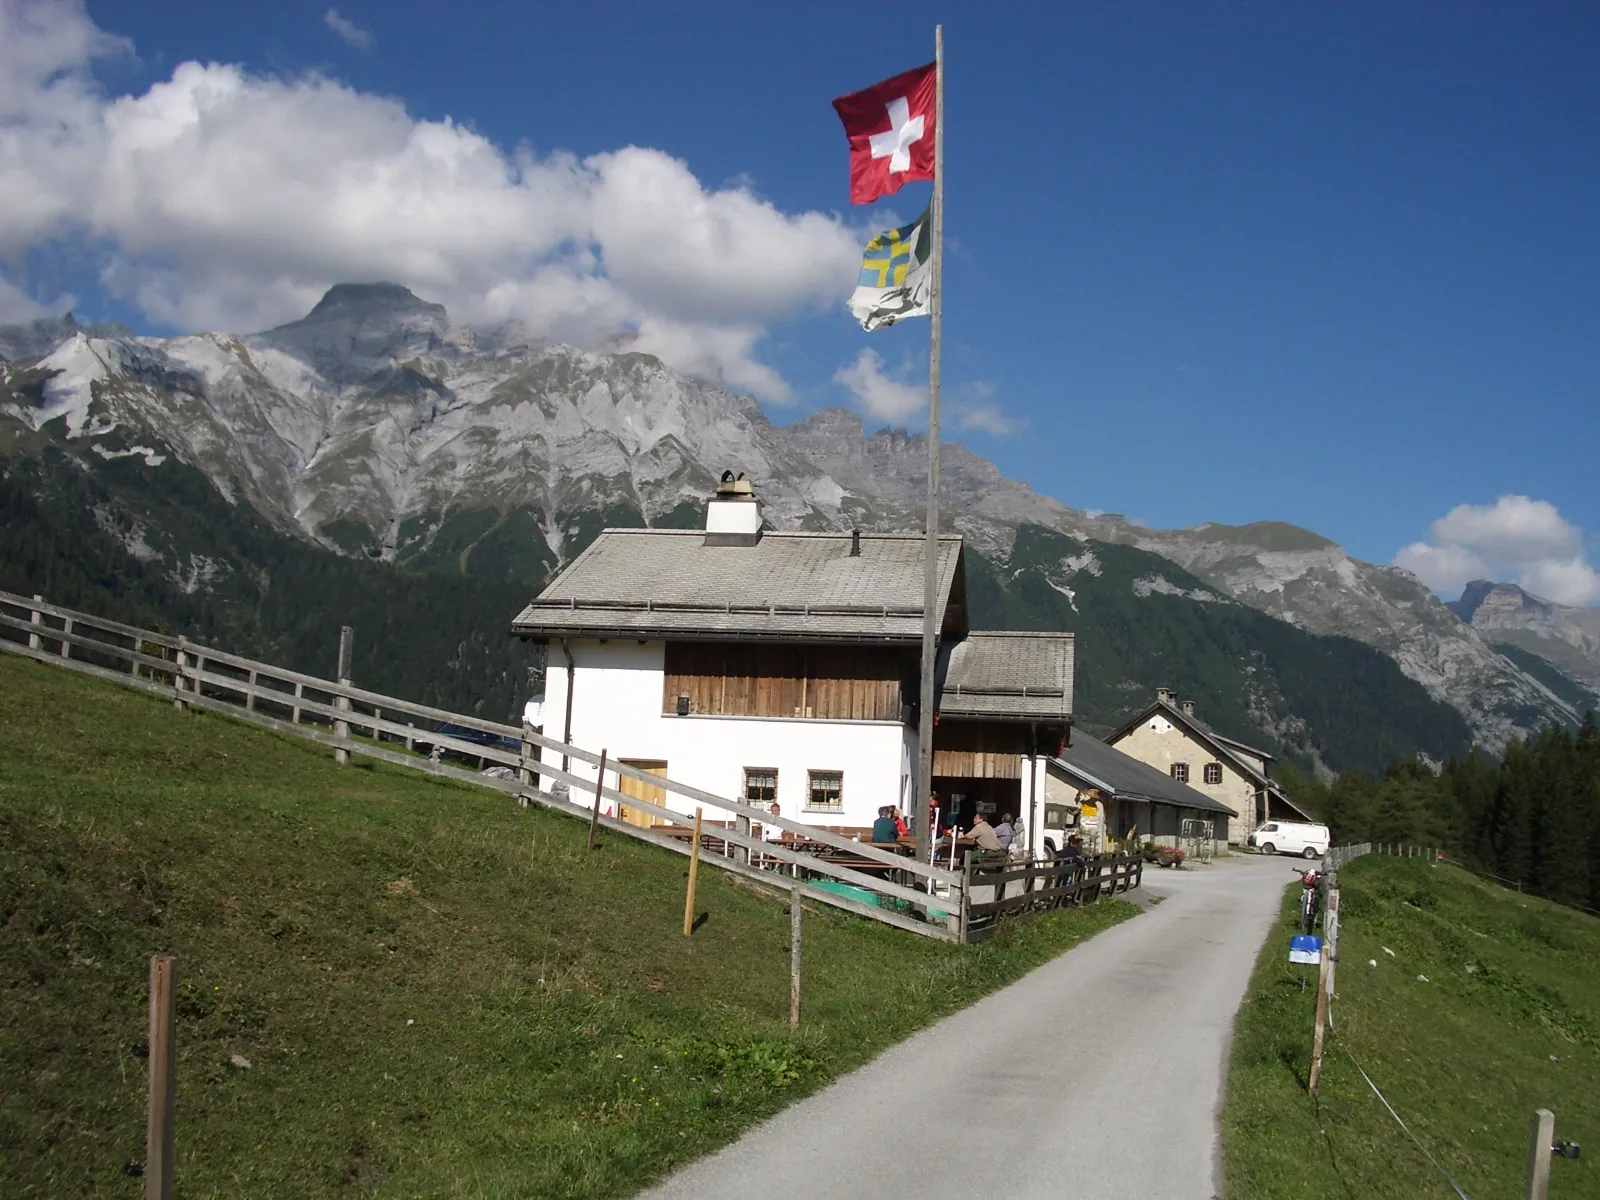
(930, 578)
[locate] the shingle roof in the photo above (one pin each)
(1105, 766)
(788, 586)
(1008, 676)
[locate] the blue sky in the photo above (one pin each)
(1335, 265)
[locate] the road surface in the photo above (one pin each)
(1098, 1075)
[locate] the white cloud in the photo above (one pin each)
(224, 199)
(357, 37)
(974, 407)
(878, 394)
(1515, 538)
(988, 418)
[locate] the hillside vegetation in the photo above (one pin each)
(438, 993)
(1143, 622)
(1468, 1005)
(1533, 818)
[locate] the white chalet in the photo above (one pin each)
(784, 667)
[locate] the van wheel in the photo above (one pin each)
(1310, 852)
(1268, 848)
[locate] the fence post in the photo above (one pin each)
(794, 958)
(1330, 931)
(35, 619)
(1544, 1136)
(177, 674)
(741, 854)
(966, 897)
(599, 782)
(158, 1153)
(694, 871)
(341, 728)
(66, 632)
(1322, 1017)
(525, 774)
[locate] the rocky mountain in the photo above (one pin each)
(378, 428)
(1568, 638)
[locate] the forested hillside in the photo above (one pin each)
(1143, 623)
(1532, 818)
(160, 547)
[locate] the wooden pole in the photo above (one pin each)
(163, 1079)
(594, 813)
(66, 632)
(35, 619)
(1322, 1018)
(930, 575)
(694, 874)
(341, 728)
(525, 775)
(177, 675)
(1544, 1136)
(1330, 930)
(794, 959)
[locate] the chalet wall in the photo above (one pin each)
(850, 683)
(617, 706)
(979, 750)
(1160, 743)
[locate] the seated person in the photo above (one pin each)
(900, 825)
(1072, 851)
(983, 833)
(884, 832)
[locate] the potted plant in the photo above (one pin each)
(1170, 856)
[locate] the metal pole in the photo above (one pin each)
(930, 578)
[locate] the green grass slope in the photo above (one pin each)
(439, 993)
(1508, 1021)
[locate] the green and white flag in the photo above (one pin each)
(896, 277)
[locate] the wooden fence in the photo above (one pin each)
(998, 890)
(919, 897)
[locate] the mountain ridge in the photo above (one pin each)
(376, 427)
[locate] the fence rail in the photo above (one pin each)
(353, 720)
(1342, 856)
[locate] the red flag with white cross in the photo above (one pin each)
(890, 128)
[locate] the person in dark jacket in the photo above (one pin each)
(884, 831)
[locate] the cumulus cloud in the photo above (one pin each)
(353, 34)
(225, 199)
(1515, 538)
(879, 393)
(974, 407)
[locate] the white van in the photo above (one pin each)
(1292, 837)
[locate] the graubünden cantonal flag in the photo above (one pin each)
(890, 128)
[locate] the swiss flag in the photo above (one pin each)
(890, 128)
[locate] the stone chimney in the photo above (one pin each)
(733, 518)
(1188, 708)
(1166, 696)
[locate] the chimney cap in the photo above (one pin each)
(1166, 695)
(1188, 708)
(735, 487)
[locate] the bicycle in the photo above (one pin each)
(1310, 882)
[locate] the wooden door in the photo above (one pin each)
(648, 792)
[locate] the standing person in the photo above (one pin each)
(884, 832)
(983, 833)
(1004, 832)
(771, 832)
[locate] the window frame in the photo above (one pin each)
(760, 771)
(811, 789)
(1212, 769)
(1179, 772)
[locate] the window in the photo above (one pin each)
(1213, 772)
(1180, 772)
(760, 785)
(826, 790)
